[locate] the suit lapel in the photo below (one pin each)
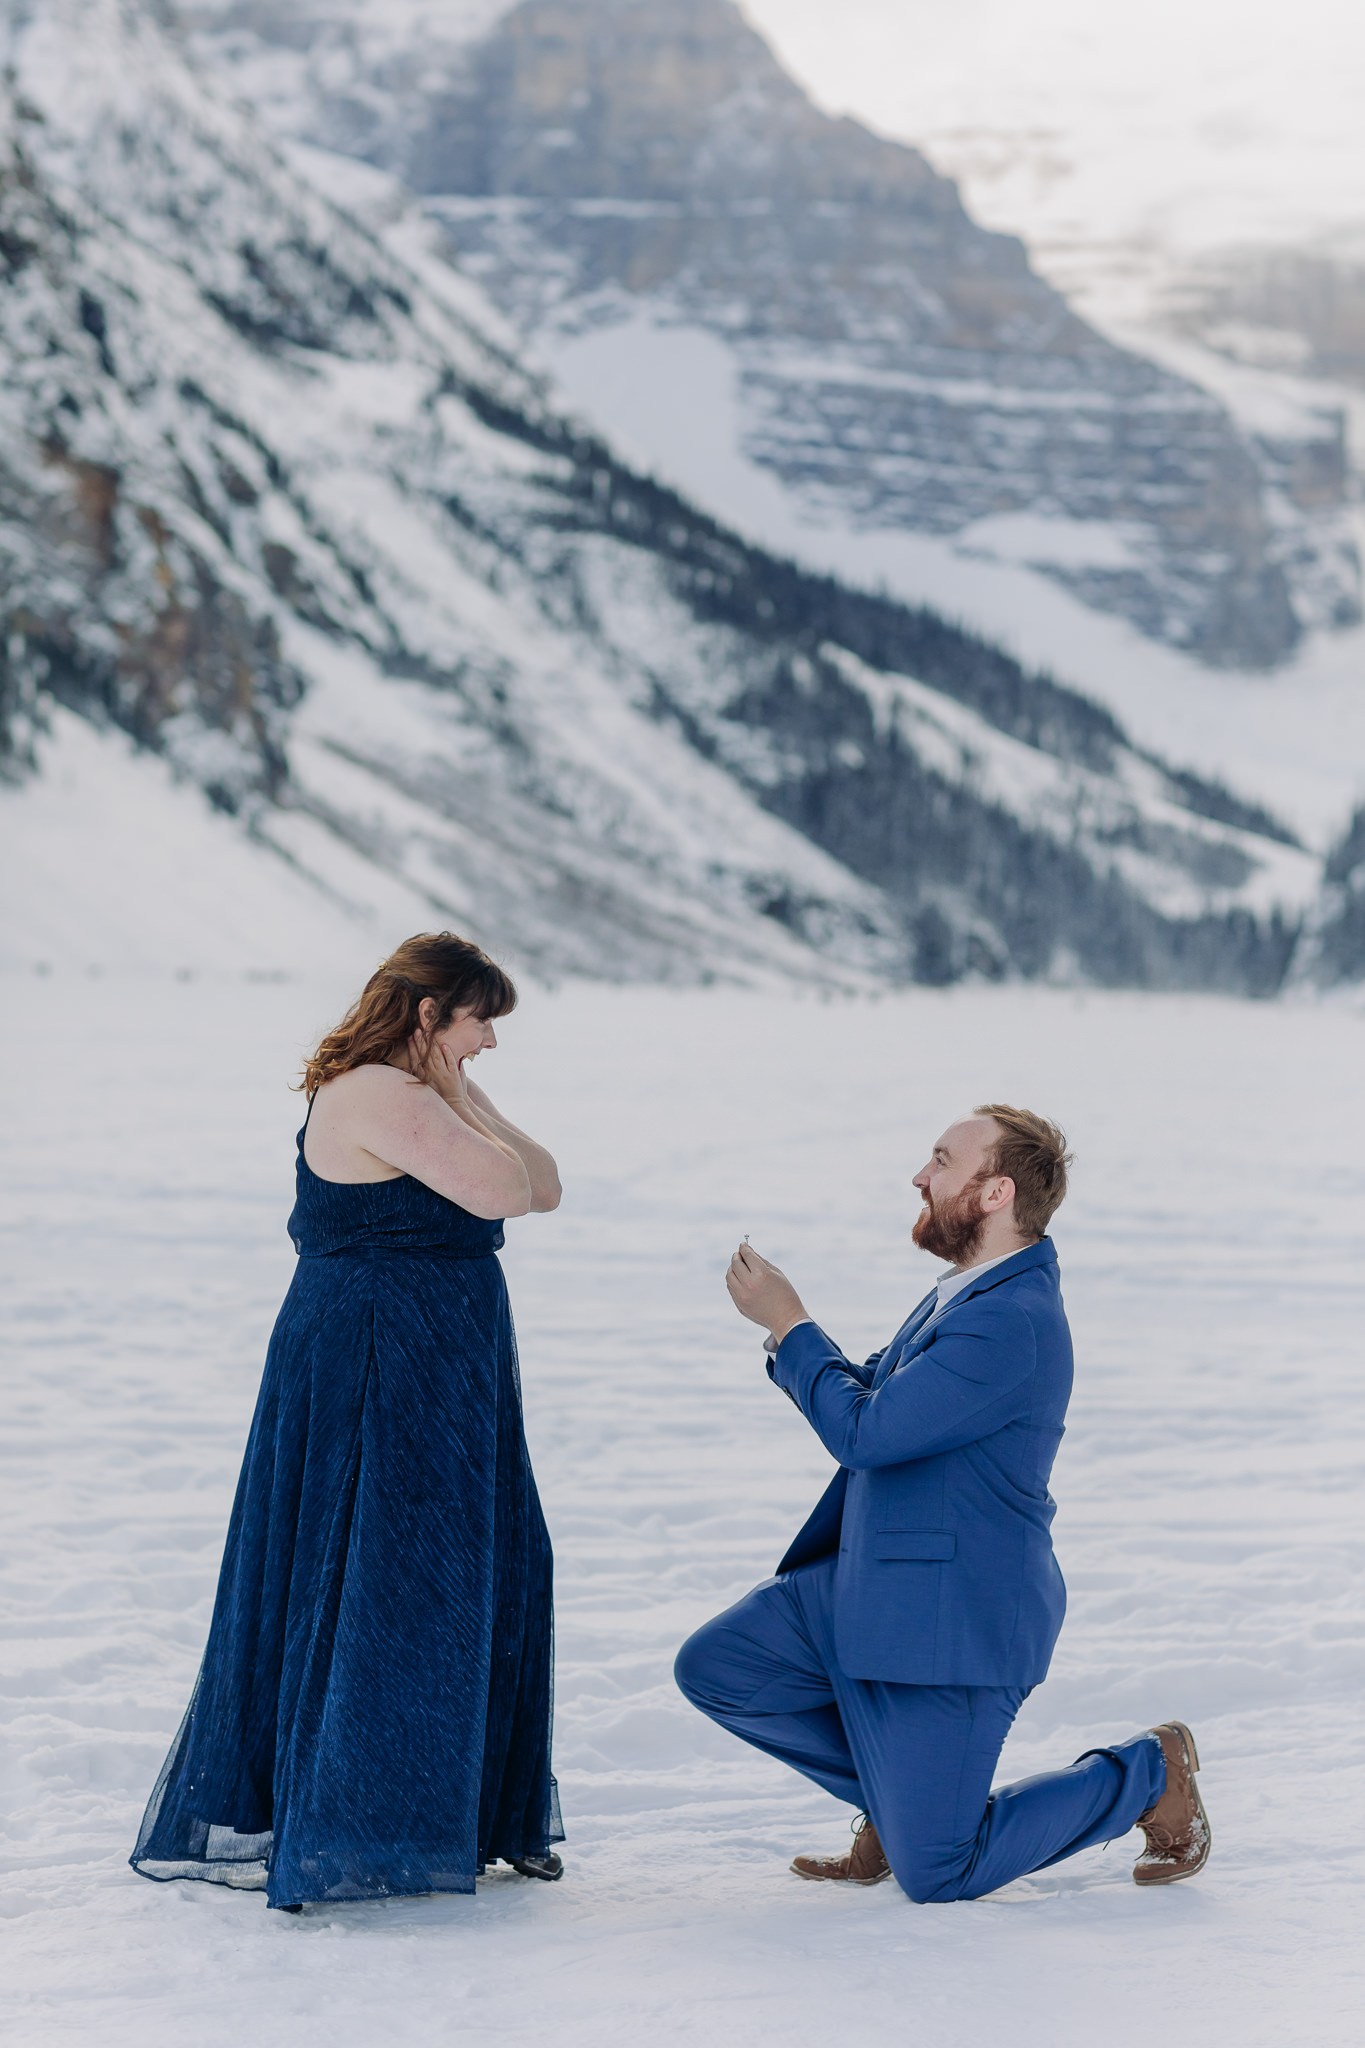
(1040, 1254)
(924, 1319)
(905, 1336)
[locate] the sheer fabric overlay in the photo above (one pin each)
(372, 1716)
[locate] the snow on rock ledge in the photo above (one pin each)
(279, 501)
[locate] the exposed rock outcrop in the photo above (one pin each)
(275, 502)
(898, 366)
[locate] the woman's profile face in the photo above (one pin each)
(464, 1037)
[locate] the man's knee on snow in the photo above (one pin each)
(928, 1880)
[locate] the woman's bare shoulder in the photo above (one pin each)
(371, 1084)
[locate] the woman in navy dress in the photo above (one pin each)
(373, 1712)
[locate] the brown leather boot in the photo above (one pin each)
(1177, 1827)
(865, 1862)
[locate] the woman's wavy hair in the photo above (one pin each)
(454, 972)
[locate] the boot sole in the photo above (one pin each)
(821, 1877)
(1193, 1870)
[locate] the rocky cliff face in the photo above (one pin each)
(276, 500)
(897, 366)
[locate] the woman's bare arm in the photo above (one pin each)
(541, 1170)
(406, 1124)
(448, 1077)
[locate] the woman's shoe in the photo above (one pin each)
(548, 1866)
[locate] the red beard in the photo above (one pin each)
(953, 1229)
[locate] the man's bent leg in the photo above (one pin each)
(1041, 1820)
(926, 1756)
(758, 1671)
(919, 1758)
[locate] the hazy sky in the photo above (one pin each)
(1186, 120)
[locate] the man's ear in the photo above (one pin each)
(997, 1194)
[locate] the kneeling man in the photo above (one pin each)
(919, 1606)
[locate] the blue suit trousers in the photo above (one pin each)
(918, 1758)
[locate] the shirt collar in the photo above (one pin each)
(954, 1278)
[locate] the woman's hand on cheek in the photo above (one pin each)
(445, 1073)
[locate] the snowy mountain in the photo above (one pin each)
(278, 500)
(656, 204)
(1197, 163)
(1190, 178)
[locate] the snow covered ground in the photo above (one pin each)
(175, 886)
(1209, 1510)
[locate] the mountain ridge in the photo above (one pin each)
(896, 366)
(420, 635)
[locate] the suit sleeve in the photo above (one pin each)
(862, 1373)
(970, 1381)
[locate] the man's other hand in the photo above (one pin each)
(763, 1293)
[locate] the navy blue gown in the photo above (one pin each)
(373, 1712)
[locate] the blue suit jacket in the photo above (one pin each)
(941, 1513)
